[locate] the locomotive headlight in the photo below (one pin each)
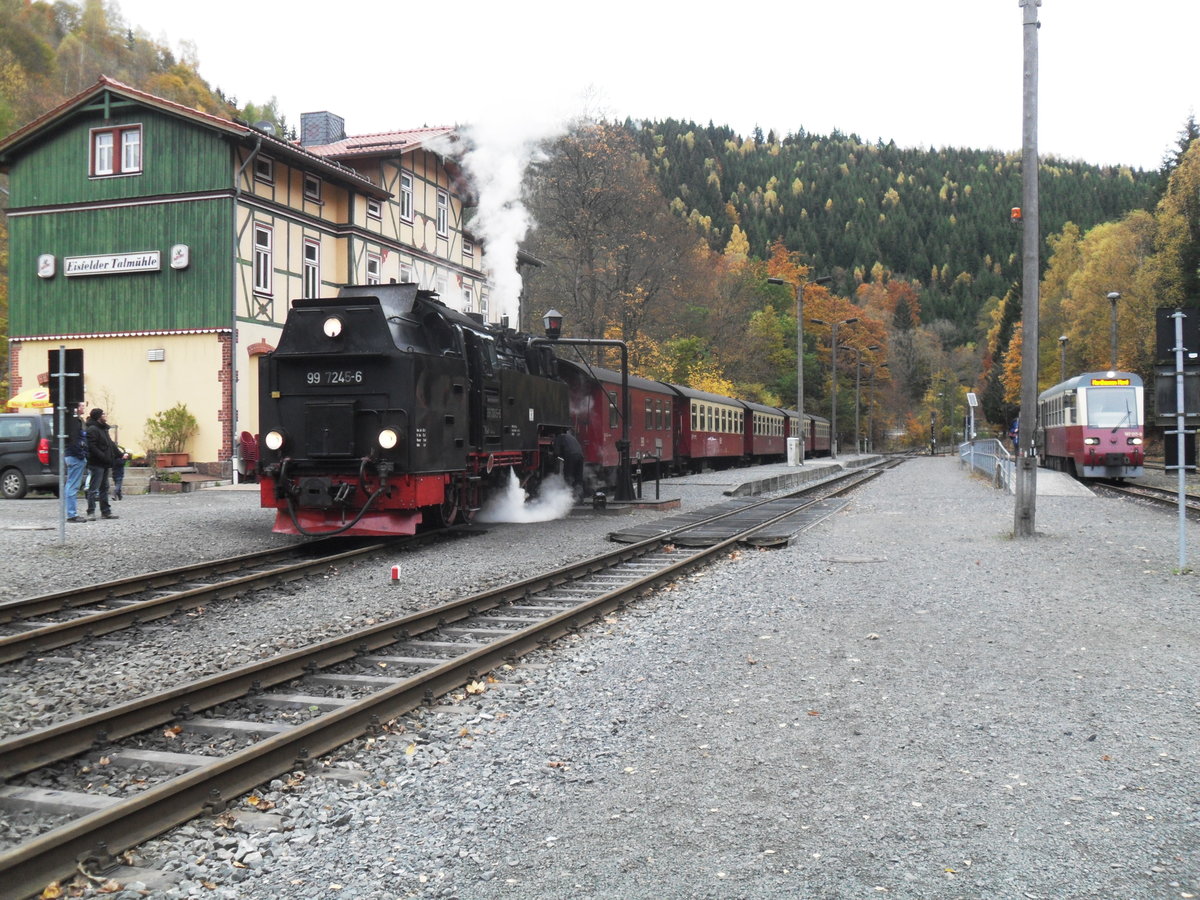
(1091, 440)
(333, 327)
(274, 440)
(388, 439)
(1135, 440)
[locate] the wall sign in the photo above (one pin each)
(179, 256)
(46, 265)
(111, 264)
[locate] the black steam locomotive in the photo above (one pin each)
(384, 409)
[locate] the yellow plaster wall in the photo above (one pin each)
(119, 379)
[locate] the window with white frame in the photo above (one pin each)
(406, 275)
(468, 300)
(312, 187)
(374, 209)
(264, 169)
(441, 284)
(483, 305)
(468, 247)
(312, 268)
(116, 151)
(374, 268)
(262, 259)
(406, 197)
(443, 213)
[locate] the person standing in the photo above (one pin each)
(77, 461)
(100, 453)
(120, 456)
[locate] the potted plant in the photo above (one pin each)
(168, 432)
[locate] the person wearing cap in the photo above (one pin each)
(100, 460)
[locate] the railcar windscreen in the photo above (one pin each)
(1113, 408)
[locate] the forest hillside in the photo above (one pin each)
(689, 241)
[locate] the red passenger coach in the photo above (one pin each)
(818, 443)
(1092, 426)
(710, 429)
(766, 433)
(816, 435)
(596, 416)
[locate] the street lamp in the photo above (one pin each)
(824, 279)
(871, 408)
(1062, 357)
(1113, 297)
(857, 385)
(833, 441)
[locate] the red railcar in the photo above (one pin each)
(766, 433)
(710, 430)
(595, 397)
(1092, 426)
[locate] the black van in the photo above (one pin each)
(28, 455)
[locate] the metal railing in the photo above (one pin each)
(989, 457)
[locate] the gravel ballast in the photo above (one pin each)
(904, 702)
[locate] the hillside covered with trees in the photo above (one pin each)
(666, 234)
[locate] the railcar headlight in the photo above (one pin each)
(274, 440)
(1091, 440)
(1135, 440)
(388, 439)
(333, 327)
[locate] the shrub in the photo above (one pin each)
(170, 430)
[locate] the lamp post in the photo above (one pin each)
(824, 279)
(833, 344)
(1062, 357)
(857, 391)
(1113, 297)
(871, 408)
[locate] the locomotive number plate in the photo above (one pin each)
(334, 376)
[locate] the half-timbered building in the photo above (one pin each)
(167, 244)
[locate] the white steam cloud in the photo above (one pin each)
(554, 501)
(495, 156)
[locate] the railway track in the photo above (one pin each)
(171, 756)
(1156, 495)
(36, 624)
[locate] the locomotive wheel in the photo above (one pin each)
(446, 513)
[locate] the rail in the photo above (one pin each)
(990, 458)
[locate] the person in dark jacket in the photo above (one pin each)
(120, 458)
(77, 461)
(567, 448)
(100, 460)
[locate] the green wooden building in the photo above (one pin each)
(167, 244)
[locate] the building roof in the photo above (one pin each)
(385, 143)
(325, 164)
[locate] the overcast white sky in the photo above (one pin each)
(1117, 79)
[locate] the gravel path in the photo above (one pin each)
(905, 702)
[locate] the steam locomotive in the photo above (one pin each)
(383, 410)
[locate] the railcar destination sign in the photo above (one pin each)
(112, 264)
(1110, 382)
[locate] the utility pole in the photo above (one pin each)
(1025, 507)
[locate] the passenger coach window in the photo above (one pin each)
(649, 414)
(612, 410)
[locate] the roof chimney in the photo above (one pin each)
(319, 128)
